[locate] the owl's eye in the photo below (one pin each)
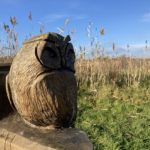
(48, 55)
(51, 53)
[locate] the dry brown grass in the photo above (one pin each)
(6, 59)
(120, 71)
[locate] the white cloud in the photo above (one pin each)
(138, 50)
(53, 17)
(146, 17)
(79, 17)
(59, 16)
(139, 46)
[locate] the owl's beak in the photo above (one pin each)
(63, 62)
(65, 66)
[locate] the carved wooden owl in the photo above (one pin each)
(41, 84)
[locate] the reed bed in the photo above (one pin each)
(121, 71)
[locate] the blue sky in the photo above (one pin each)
(125, 21)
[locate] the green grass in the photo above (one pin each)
(115, 118)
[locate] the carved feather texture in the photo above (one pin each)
(42, 96)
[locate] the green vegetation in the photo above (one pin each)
(114, 101)
(115, 118)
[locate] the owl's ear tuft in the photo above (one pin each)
(67, 39)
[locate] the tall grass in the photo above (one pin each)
(122, 71)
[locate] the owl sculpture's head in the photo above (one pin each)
(57, 54)
(44, 89)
